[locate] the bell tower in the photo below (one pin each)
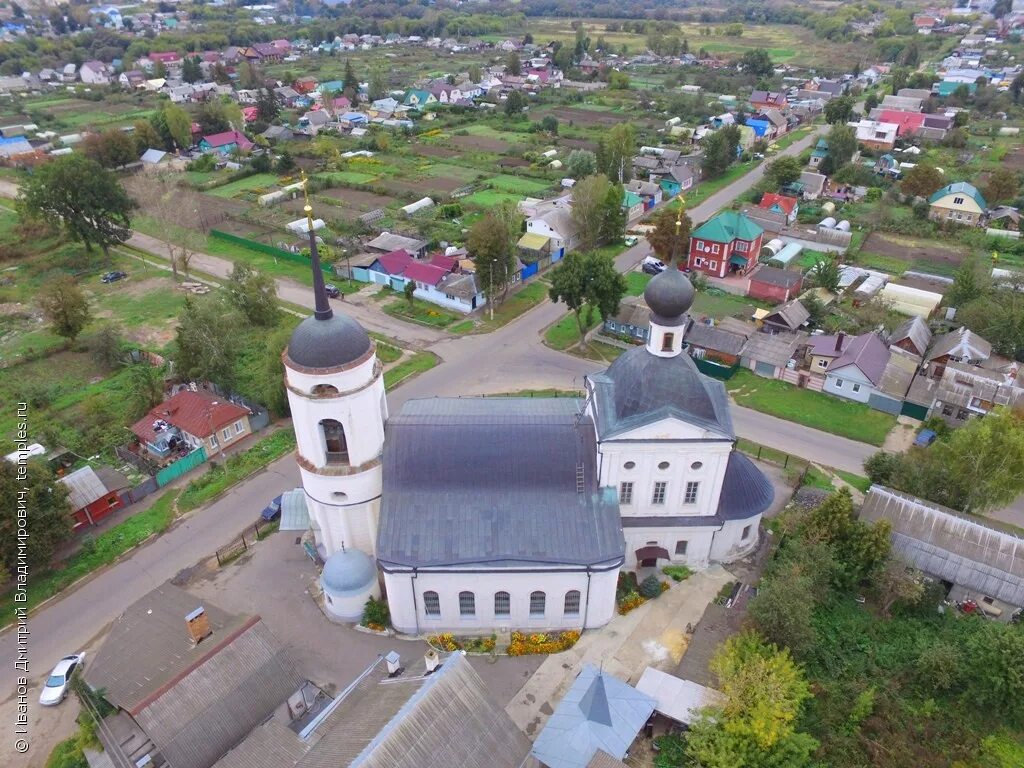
(336, 394)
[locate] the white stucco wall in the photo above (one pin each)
(698, 548)
(407, 614)
(348, 607)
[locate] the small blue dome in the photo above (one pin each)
(348, 571)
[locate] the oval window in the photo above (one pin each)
(663, 465)
(629, 465)
(697, 465)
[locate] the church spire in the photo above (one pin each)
(323, 309)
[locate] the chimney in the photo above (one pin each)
(431, 659)
(198, 625)
(394, 662)
(840, 338)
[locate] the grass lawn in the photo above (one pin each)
(517, 185)
(98, 552)
(515, 305)
(489, 198)
(707, 188)
(422, 312)
(256, 181)
(388, 353)
(415, 365)
(133, 308)
(464, 327)
(718, 304)
(225, 474)
(817, 410)
(859, 482)
(598, 350)
(566, 331)
(636, 282)
(792, 138)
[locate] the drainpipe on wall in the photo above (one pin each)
(415, 607)
(586, 608)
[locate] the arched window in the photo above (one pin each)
(334, 441)
(502, 604)
(324, 390)
(572, 602)
(537, 600)
(467, 604)
(431, 604)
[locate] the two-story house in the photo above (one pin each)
(872, 134)
(960, 203)
(727, 244)
(787, 206)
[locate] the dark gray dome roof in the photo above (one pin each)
(329, 343)
(646, 387)
(669, 295)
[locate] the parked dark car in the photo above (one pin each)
(272, 511)
(113, 277)
(651, 268)
(332, 290)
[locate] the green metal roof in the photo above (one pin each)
(728, 226)
(960, 188)
(629, 199)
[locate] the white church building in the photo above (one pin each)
(495, 514)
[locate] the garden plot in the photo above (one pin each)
(517, 185)
(358, 199)
(481, 144)
(261, 181)
(432, 150)
(423, 187)
(922, 255)
(1015, 159)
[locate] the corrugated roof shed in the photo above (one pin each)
(916, 331)
(493, 480)
(84, 487)
(387, 242)
(773, 348)
(792, 314)
(714, 338)
(962, 344)
(951, 546)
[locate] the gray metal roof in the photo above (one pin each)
(773, 348)
(388, 242)
(84, 487)
(868, 354)
(641, 388)
(714, 338)
(792, 314)
(634, 312)
(950, 545)
(962, 344)
(494, 480)
(411, 721)
(783, 278)
(899, 372)
(294, 513)
(599, 713)
(915, 330)
(330, 343)
(745, 490)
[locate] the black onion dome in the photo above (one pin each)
(328, 343)
(669, 295)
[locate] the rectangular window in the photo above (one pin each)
(958, 201)
(856, 387)
(681, 547)
(667, 341)
(714, 249)
(961, 414)
(431, 604)
(713, 265)
(822, 363)
(699, 261)
(239, 427)
(225, 433)
(213, 441)
(658, 497)
(947, 410)
(746, 533)
(839, 383)
(626, 493)
(467, 604)
(690, 497)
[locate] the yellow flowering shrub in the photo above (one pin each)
(631, 601)
(555, 642)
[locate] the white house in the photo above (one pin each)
(94, 73)
(857, 373)
(489, 514)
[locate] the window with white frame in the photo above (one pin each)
(213, 441)
(502, 604)
(958, 201)
(239, 427)
(681, 546)
(855, 387)
(712, 265)
(537, 603)
(660, 488)
(822, 363)
(431, 604)
(467, 604)
(690, 496)
(626, 492)
(225, 433)
(572, 602)
(699, 261)
(839, 383)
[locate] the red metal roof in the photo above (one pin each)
(395, 263)
(786, 204)
(447, 263)
(198, 413)
(907, 122)
(424, 273)
(228, 137)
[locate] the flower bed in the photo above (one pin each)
(446, 641)
(630, 601)
(552, 642)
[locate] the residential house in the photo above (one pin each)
(431, 712)
(960, 203)
(287, 95)
(774, 284)
(188, 679)
(903, 103)
(268, 53)
(596, 722)
(93, 493)
(813, 185)
(633, 319)
(959, 346)
(69, 73)
(898, 377)
(133, 78)
(727, 244)
(276, 133)
(649, 192)
(972, 558)
(167, 58)
(385, 268)
(788, 206)
(965, 392)
(857, 373)
(191, 420)
(225, 143)
(437, 282)
(555, 222)
(94, 73)
(823, 350)
(912, 335)
(872, 134)
(386, 242)
(633, 204)
(819, 153)
(305, 84)
(788, 318)
(761, 100)
(771, 355)
(707, 341)
(1004, 217)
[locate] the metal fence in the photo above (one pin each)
(180, 467)
(270, 250)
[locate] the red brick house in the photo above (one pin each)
(774, 284)
(728, 244)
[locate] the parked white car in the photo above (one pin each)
(59, 682)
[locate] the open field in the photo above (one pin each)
(256, 181)
(913, 253)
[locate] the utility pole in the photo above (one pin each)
(490, 292)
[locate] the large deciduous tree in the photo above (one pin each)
(515, 103)
(174, 125)
(719, 151)
(207, 340)
(47, 514)
(581, 163)
(839, 110)
(842, 144)
(669, 241)
(783, 171)
(65, 307)
(922, 180)
(1003, 185)
(757, 63)
(111, 149)
(254, 294)
(597, 210)
(586, 282)
(490, 244)
(84, 198)
(615, 152)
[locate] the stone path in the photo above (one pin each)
(652, 635)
